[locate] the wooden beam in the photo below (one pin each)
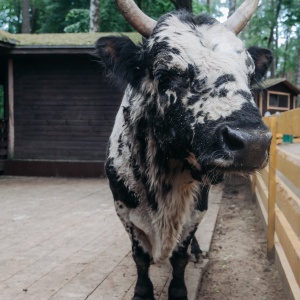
(11, 121)
(289, 204)
(289, 242)
(289, 165)
(262, 191)
(272, 192)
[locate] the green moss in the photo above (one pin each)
(61, 39)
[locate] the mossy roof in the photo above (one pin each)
(61, 39)
(273, 81)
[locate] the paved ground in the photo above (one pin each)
(61, 239)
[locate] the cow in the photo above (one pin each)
(187, 118)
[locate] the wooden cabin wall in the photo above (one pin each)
(64, 108)
(282, 88)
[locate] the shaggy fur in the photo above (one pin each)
(187, 118)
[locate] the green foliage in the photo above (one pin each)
(280, 33)
(53, 14)
(156, 8)
(77, 20)
(10, 15)
(110, 18)
(199, 8)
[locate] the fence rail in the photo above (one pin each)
(277, 190)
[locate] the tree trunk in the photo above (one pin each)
(208, 5)
(25, 17)
(95, 16)
(34, 18)
(232, 7)
(183, 4)
(271, 36)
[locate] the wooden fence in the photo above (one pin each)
(277, 190)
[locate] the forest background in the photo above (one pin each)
(275, 25)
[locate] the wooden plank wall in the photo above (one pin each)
(3, 139)
(64, 108)
(277, 194)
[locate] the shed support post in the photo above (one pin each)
(11, 120)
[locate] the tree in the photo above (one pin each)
(25, 17)
(232, 7)
(95, 16)
(275, 25)
(183, 4)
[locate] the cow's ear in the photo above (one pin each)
(121, 57)
(262, 59)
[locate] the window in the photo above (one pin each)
(278, 100)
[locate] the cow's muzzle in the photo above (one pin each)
(242, 149)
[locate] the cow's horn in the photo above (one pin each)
(135, 17)
(238, 20)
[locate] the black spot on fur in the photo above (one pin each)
(223, 92)
(198, 85)
(175, 51)
(246, 95)
(117, 185)
(120, 145)
(224, 79)
(213, 94)
(193, 99)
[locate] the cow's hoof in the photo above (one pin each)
(178, 298)
(177, 293)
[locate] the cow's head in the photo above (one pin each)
(190, 81)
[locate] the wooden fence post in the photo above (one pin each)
(272, 192)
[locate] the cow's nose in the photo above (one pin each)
(234, 139)
(246, 147)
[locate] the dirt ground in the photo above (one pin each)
(238, 267)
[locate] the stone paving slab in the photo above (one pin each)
(60, 239)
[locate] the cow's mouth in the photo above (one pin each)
(215, 172)
(235, 168)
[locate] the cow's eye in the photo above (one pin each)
(163, 77)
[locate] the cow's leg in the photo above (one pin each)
(177, 288)
(179, 260)
(144, 287)
(195, 248)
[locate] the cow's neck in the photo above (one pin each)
(170, 188)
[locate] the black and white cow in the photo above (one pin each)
(187, 118)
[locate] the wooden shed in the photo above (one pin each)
(58, 107)
(276, 95)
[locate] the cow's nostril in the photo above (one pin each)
(232, 139)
